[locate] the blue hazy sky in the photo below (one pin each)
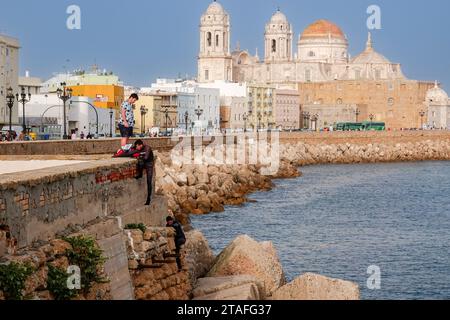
(142, 40)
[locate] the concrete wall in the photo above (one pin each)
(36, 205)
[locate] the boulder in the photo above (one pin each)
(232, 287)
(316, 287)
(198, 255)
(245, 256)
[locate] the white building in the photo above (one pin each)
(233, 104)
(192, 97)
(438, 105)
(31, 84)
(44, 114)
(9, 76)
(80, 77)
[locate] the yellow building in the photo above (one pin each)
(144, 112)
(260, 106)
(104, 96)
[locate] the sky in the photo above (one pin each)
(143, 40)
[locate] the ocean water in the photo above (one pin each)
(338, 220)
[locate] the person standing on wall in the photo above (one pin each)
(126, 121)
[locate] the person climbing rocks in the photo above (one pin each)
(145, 160)
(180, 238)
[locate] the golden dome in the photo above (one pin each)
(322, 29)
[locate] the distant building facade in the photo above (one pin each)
(287, 109)
(321, 70)
(9, 76)
(438, 105)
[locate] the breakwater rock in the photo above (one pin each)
(301, 154)
(205, 188)
(251, 270)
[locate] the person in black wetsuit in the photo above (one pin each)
(145, 162)
(180, 238)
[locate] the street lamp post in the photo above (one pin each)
(357, 113)
(166, 114)
(422, 114)
(10, 104)
(186, 118)
(65, 94)
(245, 117)
(111, 114)
(22, 98)
(143, 113)
(371, 117)
(199, 112)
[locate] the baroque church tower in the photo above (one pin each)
(214, 60)
(278, 39)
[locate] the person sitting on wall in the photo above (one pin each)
(180, 239)
(144, 154)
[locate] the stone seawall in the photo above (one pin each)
(109, 146)
(209, 186)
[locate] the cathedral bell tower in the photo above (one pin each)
(214, 60)
(278, 39)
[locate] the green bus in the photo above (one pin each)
(348, 126)
(374, 126)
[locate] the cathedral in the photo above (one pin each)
(331, 85)
(321, 54)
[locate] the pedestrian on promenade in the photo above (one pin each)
(180, 239)
(126, 121)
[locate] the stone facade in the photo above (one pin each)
(287, 109)
(396, 102)
(9, 76)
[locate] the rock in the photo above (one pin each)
(246, 292)
(204, 204)
(316, 287)
(133, 264)
(189, 205)
(245, 256)
(199, 257)
(243, 288)
(43, 295)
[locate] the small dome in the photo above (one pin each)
(370, 56)
(215, 8)
(323, 29)
(437, 94)
(279, 17)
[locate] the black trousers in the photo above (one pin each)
(178, 246)
(148, 167)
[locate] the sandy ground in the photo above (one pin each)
(30, 165)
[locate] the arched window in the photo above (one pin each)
(308, 75)
(274, 45)
(217, 40)
(209, 39)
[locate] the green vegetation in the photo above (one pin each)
(12, 279)
(134, 226)
(57, 284)
(88, 257)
